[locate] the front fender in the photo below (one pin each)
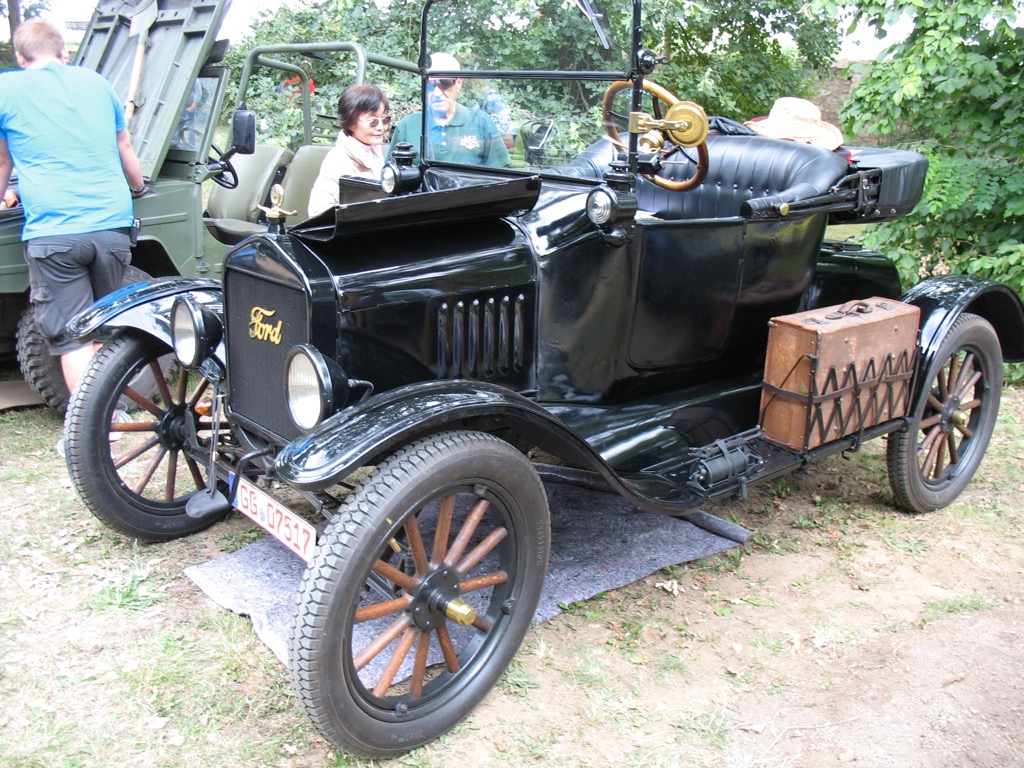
(378, 425)
(146, 306)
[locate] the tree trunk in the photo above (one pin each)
(14, 17)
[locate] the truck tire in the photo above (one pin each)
(42, 370)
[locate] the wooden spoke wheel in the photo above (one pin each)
(934, 459)
(136, 474)
(420, 593)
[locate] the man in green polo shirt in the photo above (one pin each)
(455, 133)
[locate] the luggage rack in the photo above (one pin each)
(849, 399)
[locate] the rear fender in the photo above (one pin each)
(146, 307)
(943, 299)
(366, 431)
(846, 269)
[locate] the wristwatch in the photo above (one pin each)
(138, 191)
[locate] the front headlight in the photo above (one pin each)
(195, 331)
(314, 386)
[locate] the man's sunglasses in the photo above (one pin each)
(373, 122)
(443, 83)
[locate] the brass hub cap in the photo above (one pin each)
(437, 599)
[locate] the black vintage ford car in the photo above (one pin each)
(620, 299)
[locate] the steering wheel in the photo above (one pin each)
(228, 177)
(692, 133)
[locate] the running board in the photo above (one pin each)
(679, 485)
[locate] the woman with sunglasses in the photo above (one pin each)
(364, 120)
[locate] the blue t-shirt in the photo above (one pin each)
(61, 125)
(470, 138)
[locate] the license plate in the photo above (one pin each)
(294, 532)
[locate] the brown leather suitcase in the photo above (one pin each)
(835, 371)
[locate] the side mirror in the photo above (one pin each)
(243, 132)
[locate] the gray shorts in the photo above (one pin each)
(67, 273)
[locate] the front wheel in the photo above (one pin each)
(136, 469)
(935, 457)
(421, 590)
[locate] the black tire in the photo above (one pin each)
(378, 570)
(39, 368)
(935, 457)
(139, 484)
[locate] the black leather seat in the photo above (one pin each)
(740, 169)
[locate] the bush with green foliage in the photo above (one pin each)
(735, 57)
(953, 90)
(386, 32)
(726, 56)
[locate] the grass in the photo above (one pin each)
(517, 680)
(827, 634)
(772, 643)
(712, 728)
(955, 605)
(911, 545)
(27, 433)
(235, 538)
(130, 591)
(777, 542)
(589, 668)
(109, 656)
(671, 664)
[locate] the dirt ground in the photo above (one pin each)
(846, 633)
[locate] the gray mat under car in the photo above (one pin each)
(599, 542)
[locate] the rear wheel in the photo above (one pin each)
(40, 369)
(420, 592)
(935, 457)
(136, 477)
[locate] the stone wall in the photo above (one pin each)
(833, 91)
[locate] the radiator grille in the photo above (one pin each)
(481, 338)
(264, 321)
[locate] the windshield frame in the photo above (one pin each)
(633, 73)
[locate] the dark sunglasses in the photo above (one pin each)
(443, 83)
(373, 122)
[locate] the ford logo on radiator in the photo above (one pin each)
(261, 329)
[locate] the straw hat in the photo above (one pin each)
(799, 120)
